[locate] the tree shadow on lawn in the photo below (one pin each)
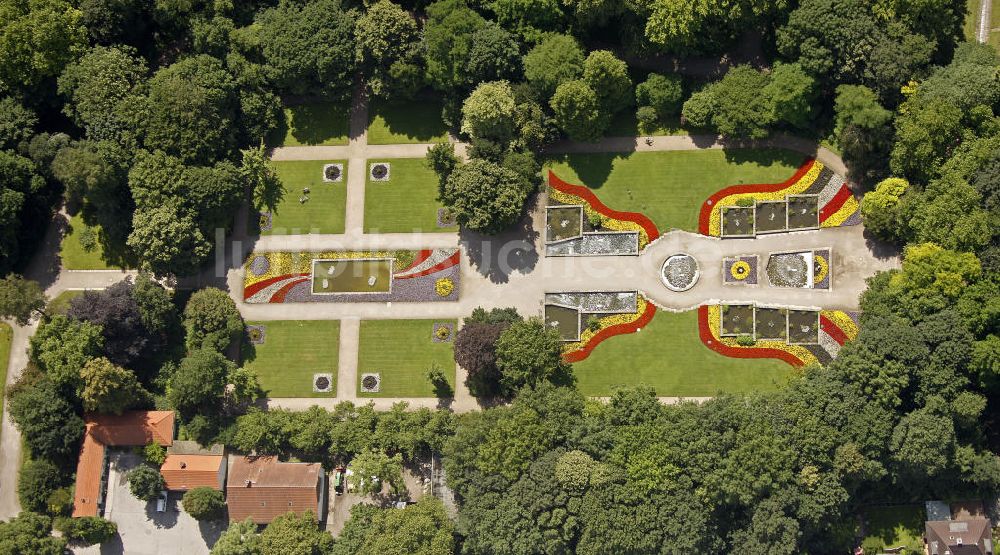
(592, 169)
(312, 123)
(419, 119)
(497, 256)
(742, 153)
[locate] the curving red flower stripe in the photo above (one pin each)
(591, 199)
(713, 343)
(712, 201)
(836, 203)
(833, 330)
(446, 263)
(419, 259)
(252, 290)
(611, 331)
(279, 295)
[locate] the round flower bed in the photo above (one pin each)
(260, 265)
(444, 287)
(680, 272)
(370, 383)
(256, 334)
(820, 268)
(322, 383)
(442, 332)
(379, 171)
(740, 270)
(333, 172)
(264, 221)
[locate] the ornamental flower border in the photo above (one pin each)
(278, 277)
(610, 326)
(615, 220)
(837, 204)
(837, 327)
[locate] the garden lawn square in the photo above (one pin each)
(737, 221)
(803, 211)
(324, 212)
(669, 356)
(770, 323)
(563, 222)
(414, 121)
(737, 319)
(894, 526)
(60, 304)
(314, 123)
(803, 327)
(406, 202)
(74, 256)
(770, 216)
(292, 352)
(670, 187)
(401, 352)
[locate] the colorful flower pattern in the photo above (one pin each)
(610, 326)
(566, 193)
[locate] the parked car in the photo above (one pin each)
(339, 479)
(161, 502)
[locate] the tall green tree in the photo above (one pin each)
(108, 388)
(386, 34)
(608, 77)
(578, 111)
(555, 60)
(488, 113)
(295, 535)
(20, 299)
(485, 196)
(528, 353)
(199, 381)
(212, 320)
(37, 40)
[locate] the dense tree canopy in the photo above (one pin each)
(485, 196)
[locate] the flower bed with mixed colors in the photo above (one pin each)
(423, 275)
(837, 204)
(836, 328)
(606, 327)
(611, 220)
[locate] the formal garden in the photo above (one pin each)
(407, 121)
(395, 356)
(401, 197)
(316, 123)
(313, 199)
(294, 358)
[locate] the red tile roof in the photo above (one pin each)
(261, 488)
(131, 428)
(184, 472)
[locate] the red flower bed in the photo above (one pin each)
(713, 343)
(708, 205)
(586, 194)
(833, 330)
(620, 329)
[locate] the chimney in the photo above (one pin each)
(183, 465)
(246, 483)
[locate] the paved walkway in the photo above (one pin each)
(984, 18)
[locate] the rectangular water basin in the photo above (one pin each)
(565, 320)
(363, 275)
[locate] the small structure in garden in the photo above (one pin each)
(680, 272)
(189, 465)
(770, 216)
(803, 211)
(770, 324)
(371, 382)
(322, 383)
(803, 327)
(567, 312)
(565, 320)
(737, 221)
(443, 332)
(360, 275)
(333, 173)
(740, 270)
(256, 333)
(446, 218)
(379, 171)
(737, 319)
(570, 232)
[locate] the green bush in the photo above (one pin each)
(37, 481)
(204, 503)
(145, 482)
(746, 341)
(87, 530)
(745, 202)
(647, 117)
(155, 454)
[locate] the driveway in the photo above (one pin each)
(142, 530)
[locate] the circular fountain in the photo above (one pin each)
(680, 272)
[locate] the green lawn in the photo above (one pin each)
(314, 123)
(6, 335)
(294, 350)
(415, 121)
(72, 253)
(407, 203)
(324, 212)
(895, 526)
(60, 304)
(402, 351)
(669, 356)
(670, 187)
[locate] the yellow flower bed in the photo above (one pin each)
(843, 321)
(838, 217)
(823, 270)
(283, 263)
(606, 322)
(444, 287)
(800, 352)
(740, 270)
(803, 183)
(608, 222)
